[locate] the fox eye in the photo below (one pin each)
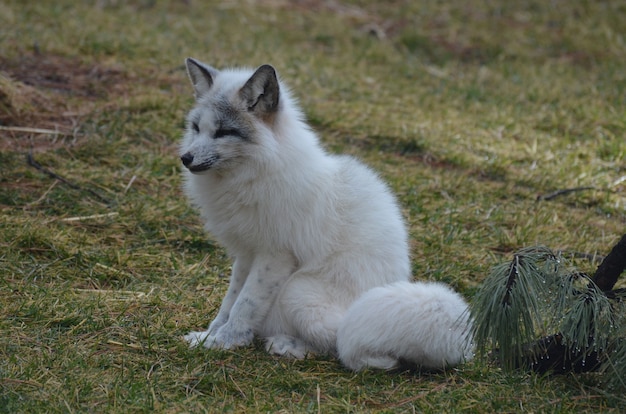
(195, 127)
(223, 132)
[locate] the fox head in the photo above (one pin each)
(233, 119)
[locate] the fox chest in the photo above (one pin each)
(249, 223)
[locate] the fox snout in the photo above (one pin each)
(187, 159)
(199, 163)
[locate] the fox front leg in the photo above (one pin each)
(241, 270)
(239, 275)
(248, 312)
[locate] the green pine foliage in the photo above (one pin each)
(508, 308)
(526, 307)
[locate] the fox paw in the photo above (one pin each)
(225, 338)
(196, 338)
(286, 346)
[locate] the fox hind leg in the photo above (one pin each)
(311, 316)
(286, 346)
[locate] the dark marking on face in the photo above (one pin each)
(232, 122)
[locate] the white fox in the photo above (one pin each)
(321, 261)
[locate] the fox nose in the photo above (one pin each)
(187, 159)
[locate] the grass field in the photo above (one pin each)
(469, 109)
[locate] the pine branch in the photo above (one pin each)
(509, 305)
(579, 320)
(552, 354)
(611, 267)
(511, 279)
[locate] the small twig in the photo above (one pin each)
(243, 394)
(31, 161)
(44, 195)
(30, 383)
(113, 270)
(93, 216)
(555, 194)
(117, 294)
(319, 399)
(118, 344)
(559, 401)
(132, 180)
(618, 181)
(32, 130)
(409, 399)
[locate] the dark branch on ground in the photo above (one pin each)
(611, 267)
(555, 194)
(31, 161)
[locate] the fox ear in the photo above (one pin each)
(201, 76)
(261, 91)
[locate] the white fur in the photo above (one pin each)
(309, 233)
(426, 324)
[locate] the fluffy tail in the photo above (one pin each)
(423, 324)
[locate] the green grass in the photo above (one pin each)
(470, 110)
